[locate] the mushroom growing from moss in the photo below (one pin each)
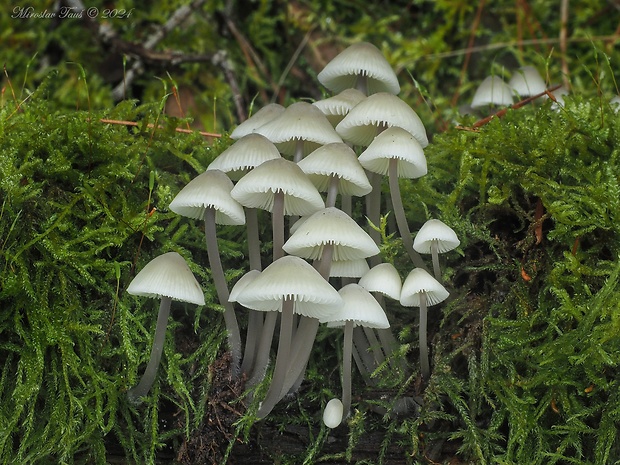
(492, 91)
(420, 289)
(169, 278)
(293, 285)
(435, 237)
(207, 197)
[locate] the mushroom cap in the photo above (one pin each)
(492, 91)
(300, 121)
(384, 279)
(527, 81)
(333, 413)
(210, 189)
(395, 143)
(360, 307)
(291, 278)
(337, 159)
(258, 119)
(337, 107)
(348, 268)
(376, 112)
(360, 59)
(257, 188)
(330, 226)
(246, 153)
(615, 103)
(420, 281)
(435, 230)
(242, 283)
(167, 275)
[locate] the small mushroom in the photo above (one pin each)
(337, 107)
(360, 309)
(492, 91)
(527, 81)
(207, 197)
(332, 415)
(258, 119)
(420, 289)
(169, 278)
(435, 237)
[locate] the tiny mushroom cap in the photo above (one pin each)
(420, 281)
(330, 226)
(257, 188)
(527, 81)
(339, 160)
(167, 275)
(247, 153)
(360, 59)
(438, 231)
(615, 103)
(301, 123)
(337, 107)
(242, 283)
(360, 307)
(492, 91)
(395, 143)
(291, 278)
(377, 112)
(333, 413)
(384, 279)
(210, 189)
(261, 117)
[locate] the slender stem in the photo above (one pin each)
(401, 219)
(373, 212)
(299, 151)
(264, 347)
(277, 221)
(362, 346)
(424, 363)
(219, 279)
(148, 377)
(282, 360)
(332, 190)
(255, 318)
(346, 204)
(346, 367)
(375, 347)
(435, 257)
(303, 341)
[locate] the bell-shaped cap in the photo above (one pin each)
(303, 122)
(242, 283)
(333, 413)
(257, 188)
(291, 278)
(360, 59)
(384, 279)
(377, 112)
(337, 159)
(258, 119)
(337, 107)
(492, 91)
(420, 281)
(437, 231)
(360, 307)
(167, 275)
(527, 81)
(395, 143)
(210, 189)
(246, 153)
(330, 226)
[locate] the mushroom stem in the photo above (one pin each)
(148, 377)
(373, 212)
(219, 279)
(435, 256)
(282, 360)
(424, 363)
(255, 318)
(346, 367)
(332, 190)
(299, 151)
(399, 213)
(262, 357)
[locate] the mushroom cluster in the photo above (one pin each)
(308, 166)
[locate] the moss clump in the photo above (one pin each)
(77, 219)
